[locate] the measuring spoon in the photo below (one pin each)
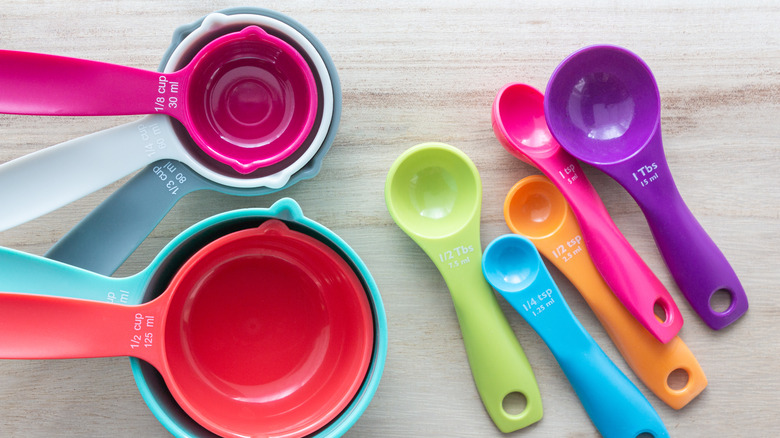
(604, 107)
(142, 202)
(434, 194)
(615, 405)
(535, 209)
(519, 124)
(248, 99)
(32, 274)
(158, 137)
(282, 356)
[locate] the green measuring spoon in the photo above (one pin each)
(434, 194)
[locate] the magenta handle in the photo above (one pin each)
(39, 84)
(629, 277)
(48, 327)
(698, 266)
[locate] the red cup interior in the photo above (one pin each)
(269, 332)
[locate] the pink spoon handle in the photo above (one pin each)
(48, 327)
(39, 84)
(625, 272)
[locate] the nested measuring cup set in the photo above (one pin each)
(602, 107)
(253, 322)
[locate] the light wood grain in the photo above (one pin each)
(415, 72)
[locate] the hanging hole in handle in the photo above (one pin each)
(645, 435)
(721, 301)
(659, 309)
(514, 403)
(677, 379)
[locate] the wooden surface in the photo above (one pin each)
(414, 72)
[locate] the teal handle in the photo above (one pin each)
(614, 404)
(28, 273)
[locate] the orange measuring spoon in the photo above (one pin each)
(536, 209)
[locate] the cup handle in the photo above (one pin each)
(83, 328)
(80, 87)
(32, 274)
(125, 218)
(47, 179)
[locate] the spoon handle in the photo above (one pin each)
(50, 178)
(40, 84)
(52, 327)
(614, 404)
(498, 363)
(125, 218)
(625, 272)
(651, 361)
(696, 263)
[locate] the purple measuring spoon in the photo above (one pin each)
(603, 106)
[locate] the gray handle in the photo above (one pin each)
(104, 239)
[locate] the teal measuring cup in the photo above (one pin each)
(28, 273)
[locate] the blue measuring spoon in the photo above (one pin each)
(617, 408)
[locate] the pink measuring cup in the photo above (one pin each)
(248, 99)
(519, 124)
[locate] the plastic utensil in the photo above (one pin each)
(248, 99)
(434, 193)
(604, 107)
(535, 209)
(615, 405)
(32, 274)
(143, 201)
(282, 356)
(155, 137)
(519, 124)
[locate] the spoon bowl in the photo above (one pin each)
(434, 194)
(536, 209)
(607, 113)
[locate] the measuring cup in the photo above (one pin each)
(519, 124)
(604, 107)
(31, 274)
(264, 331)
(248, 99)
(535, 209)
(434, 194)
(615, 405)
(141, 203)
(155, 137)
(144, 200)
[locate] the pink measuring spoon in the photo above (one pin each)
(520, 126)
(248, 98)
